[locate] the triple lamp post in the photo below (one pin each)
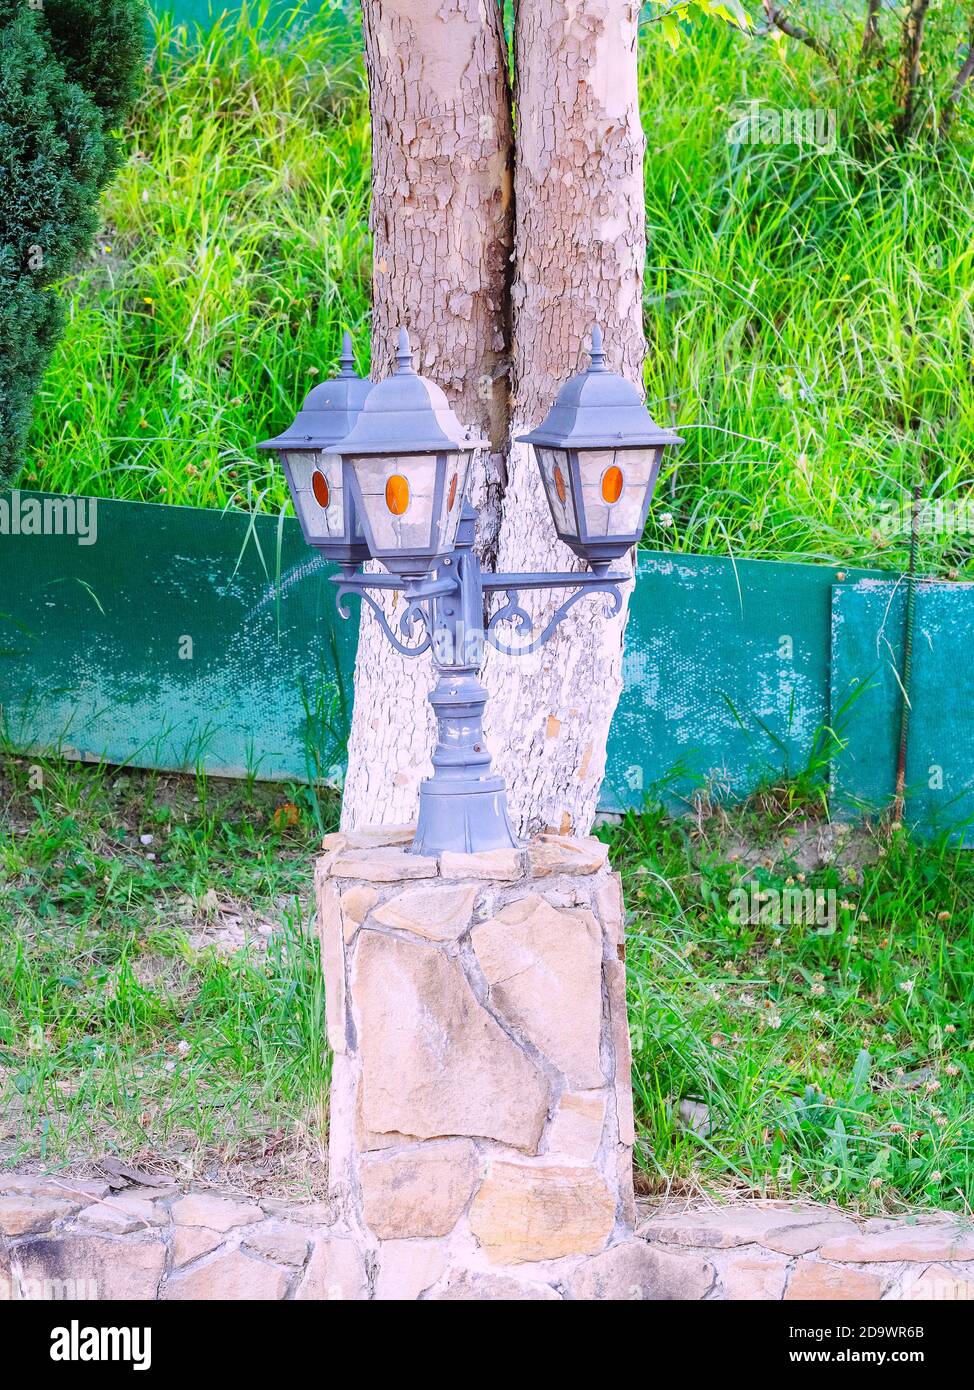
(380, 471)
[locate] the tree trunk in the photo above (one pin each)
(441, 221)
(964, 75)
(580, 251)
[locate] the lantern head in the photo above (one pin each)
(407, 458)
(599, 451)
(321, 497)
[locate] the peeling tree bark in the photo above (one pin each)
(580, 250)
(441, 221)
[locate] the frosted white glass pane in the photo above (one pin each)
(554, 474)
(318, 522)
(390, 482)
(454, 488)
(624, 516)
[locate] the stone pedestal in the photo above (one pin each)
(481, 1129)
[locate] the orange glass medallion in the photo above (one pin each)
(560, 488)
(397, 494)
(612, 484)
(319, 486)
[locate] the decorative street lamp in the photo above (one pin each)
(316, 482)
(404, 463)
(599, 452)
(407, 459)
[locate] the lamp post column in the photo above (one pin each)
(463, 806)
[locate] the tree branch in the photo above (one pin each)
(870, 33)
(783, 22)
(909, 75)
(960, 82)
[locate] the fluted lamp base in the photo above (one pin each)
(463, 806)
(463, 817)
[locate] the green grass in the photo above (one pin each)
(131, 1022)
(235, 247)
(833, 1064)
(809, 314)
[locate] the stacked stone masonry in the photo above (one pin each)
(481, 1122)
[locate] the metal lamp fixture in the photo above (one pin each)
(402, 468)
(599, 451)
(407, 457)
(315, 479)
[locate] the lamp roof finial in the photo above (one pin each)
(404, 353)
(347, 359)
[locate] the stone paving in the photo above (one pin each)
(793, 1251)
(69, 1237)
(161, 1242)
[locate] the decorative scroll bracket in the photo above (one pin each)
(421, 595)
(512, 610)
(415, 612)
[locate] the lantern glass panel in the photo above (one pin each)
(399, 497)
(451, 505)
(615, 483)
(317, 490)
(557, 482)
